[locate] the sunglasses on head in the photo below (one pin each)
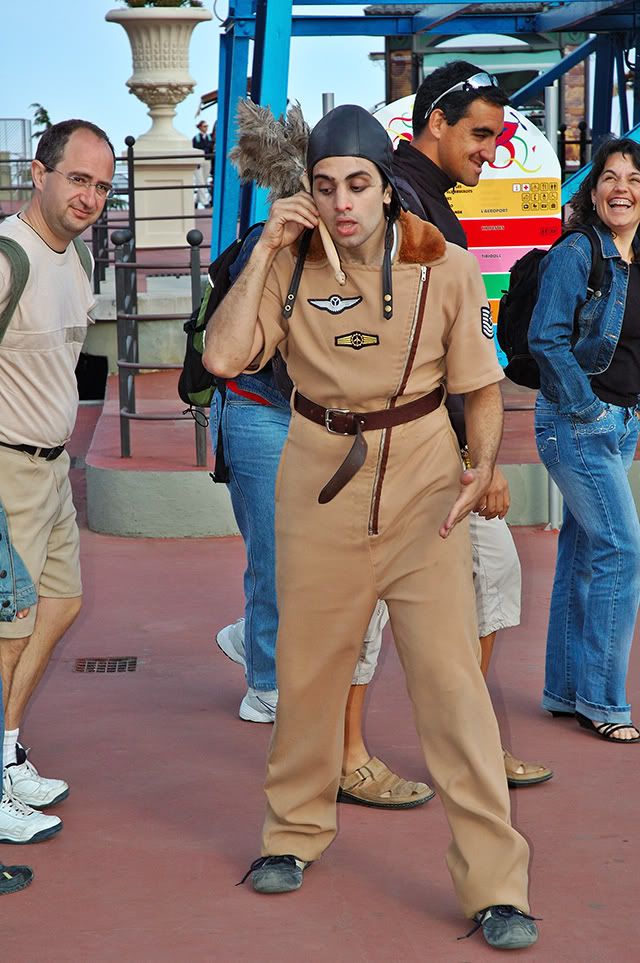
(475, 82)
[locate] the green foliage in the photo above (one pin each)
(41, 119)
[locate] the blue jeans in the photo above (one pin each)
(253, 437)
(596, 590)
(1, 737)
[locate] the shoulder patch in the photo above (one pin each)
(486, 322)
(334, 304)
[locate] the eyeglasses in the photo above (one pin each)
(475, 82)
(83, 183)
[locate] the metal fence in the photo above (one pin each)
(571, 159)
(15, 164)
(126, 272)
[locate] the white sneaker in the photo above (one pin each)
(259, 706)
(231, 641)
(20, 823)
(29, 787)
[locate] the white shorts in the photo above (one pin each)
(496, 574)
(497, 584)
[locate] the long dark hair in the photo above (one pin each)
(582, 208)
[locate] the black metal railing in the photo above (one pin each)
(127, 318)
(569, 165)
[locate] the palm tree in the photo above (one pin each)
(41, 119)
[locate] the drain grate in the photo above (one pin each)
(113, 664)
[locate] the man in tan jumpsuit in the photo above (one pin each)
(383, 516)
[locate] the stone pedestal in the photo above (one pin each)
(178, 174)
(159, 38)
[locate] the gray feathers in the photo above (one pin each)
(268, 151)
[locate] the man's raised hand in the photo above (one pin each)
(288, 218)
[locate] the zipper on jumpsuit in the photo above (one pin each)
(385, 438)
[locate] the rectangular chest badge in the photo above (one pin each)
(356, 340)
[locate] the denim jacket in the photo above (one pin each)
(16, 588)
(565, 369)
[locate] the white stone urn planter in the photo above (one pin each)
(159, 38)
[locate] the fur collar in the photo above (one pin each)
(420, 242)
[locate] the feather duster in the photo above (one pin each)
(273, 154)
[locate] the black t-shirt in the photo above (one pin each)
(430, 183)
(620, 383)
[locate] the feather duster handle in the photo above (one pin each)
(327, 240)
(272, 153)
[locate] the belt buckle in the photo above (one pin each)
(328, 414)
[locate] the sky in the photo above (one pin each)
(65, 56)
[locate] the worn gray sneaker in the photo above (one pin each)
(230, 640)
(506, 928)
(259, 705)
(277, 874)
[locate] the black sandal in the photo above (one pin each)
(605, 730)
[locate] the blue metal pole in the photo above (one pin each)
(272, 47)
(602, 89)
(232, 85)
(636, 82)
(553, 73)
(622, 88)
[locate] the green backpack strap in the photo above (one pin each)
(17, 257)
(84, 255)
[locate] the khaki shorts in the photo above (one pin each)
(37, 499)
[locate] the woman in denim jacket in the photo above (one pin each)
(587, 430)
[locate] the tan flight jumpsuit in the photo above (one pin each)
(378, 538)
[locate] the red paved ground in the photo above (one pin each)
(166, 802)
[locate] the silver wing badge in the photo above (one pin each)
(335, 304)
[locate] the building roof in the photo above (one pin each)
(409, 9)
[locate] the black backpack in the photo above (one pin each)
(196, 385)
(517, 304)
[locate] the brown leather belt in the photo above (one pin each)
(341, 421)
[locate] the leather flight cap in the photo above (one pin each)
(341, 421)
(351, 131)
(50, 454)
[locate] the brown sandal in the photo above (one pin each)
(532, 772)
(375, 785)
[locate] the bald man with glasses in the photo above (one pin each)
(45, 299)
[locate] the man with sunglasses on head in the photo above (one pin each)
(45, 299)
(458, 115)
